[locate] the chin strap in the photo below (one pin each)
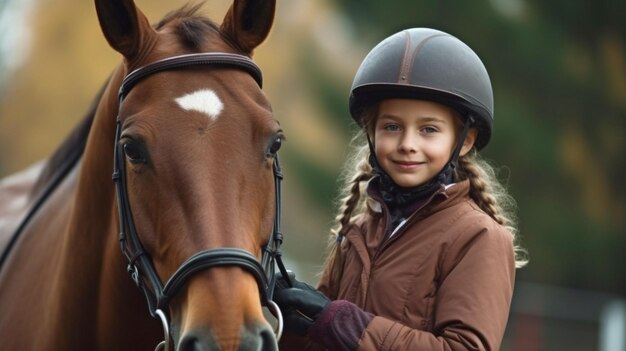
(454, 160)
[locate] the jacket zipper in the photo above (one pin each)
(401, 229)
(399, 232)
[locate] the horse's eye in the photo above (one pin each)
(276, 144)
(133, 152)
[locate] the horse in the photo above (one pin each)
(176, 164)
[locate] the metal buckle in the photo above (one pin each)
(134, 273)
(165, 344)
(275, 311)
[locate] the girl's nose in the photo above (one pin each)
(408, 143)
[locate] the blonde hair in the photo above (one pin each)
(485, 189)
(492, 197)
(352, 203)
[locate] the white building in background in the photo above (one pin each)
(15, 35)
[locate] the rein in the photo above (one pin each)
(140, 267)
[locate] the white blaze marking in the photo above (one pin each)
(205, 101)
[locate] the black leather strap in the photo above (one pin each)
(215, 258)
(199, 59)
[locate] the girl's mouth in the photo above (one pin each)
(408, 165)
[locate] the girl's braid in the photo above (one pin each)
(352, 203)
(480, 190)
(491, 196)
(349, 204)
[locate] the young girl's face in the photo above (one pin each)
(414, 139)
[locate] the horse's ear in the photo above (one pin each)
(248, 22)
(123, 25)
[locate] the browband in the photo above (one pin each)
(190, 60)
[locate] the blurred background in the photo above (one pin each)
(558, 70)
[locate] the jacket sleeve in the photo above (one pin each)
(473, 299)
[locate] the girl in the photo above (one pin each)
(423, 256)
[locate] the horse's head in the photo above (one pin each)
(196, 151)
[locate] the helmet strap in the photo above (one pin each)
(372, 159)
(454, 160)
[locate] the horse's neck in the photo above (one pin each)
(90, 229)
(92, 240)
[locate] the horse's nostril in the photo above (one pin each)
(268, 342)
(259, 337)
(190, 343)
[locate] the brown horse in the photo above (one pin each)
(191, 141)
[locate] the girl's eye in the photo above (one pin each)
(133, 152)
(391, 127)
(429, 130)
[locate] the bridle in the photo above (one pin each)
(140, 267)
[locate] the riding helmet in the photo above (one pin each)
(427, 64)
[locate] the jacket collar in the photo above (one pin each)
(442, 198)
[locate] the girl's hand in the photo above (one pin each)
(300, 305)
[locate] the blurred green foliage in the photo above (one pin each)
(559, 74)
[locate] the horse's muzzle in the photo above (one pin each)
(258, 337)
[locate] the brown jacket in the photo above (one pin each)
(443, 281)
